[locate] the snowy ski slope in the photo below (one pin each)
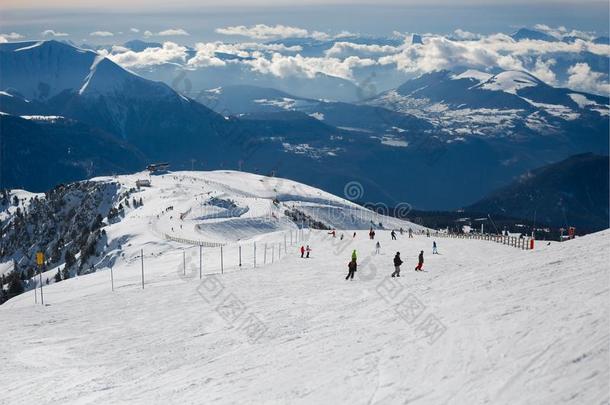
(485, 323)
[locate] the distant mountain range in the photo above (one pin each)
(572, 192)
(440, 141)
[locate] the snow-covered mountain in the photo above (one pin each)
(96, 221)
(248, 100)
(79, 84)
(510, 103)
(572, 192)
(429, 128)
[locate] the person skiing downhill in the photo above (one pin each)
(352, 267)
(354, 256)
(410, 233)
(434, 251)
(377, 247)
(397, 263)
(302, 251)
(420, 261)
(393, 235)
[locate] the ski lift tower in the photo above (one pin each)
(482, 221)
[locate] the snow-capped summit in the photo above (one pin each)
(473, 74)
(44, 69)
(511, 81)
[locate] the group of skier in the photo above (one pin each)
(353, 265)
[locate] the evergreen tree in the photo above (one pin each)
(70, 259)
(65, 274)
(58, 276)
(15, 286)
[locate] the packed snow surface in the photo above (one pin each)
(484, 323)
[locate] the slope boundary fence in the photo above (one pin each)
(523, 243)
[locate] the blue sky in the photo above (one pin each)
(31, 18)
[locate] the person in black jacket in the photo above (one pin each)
(397, 263)
(420, 262)
(352, 266)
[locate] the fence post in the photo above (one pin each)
(222, 268)
(239, 255)
(111, 279)
(265, 254)
(142, 260)
(200, 261)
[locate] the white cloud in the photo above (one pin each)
(173, 32)
(266, 32)
(562, 32)
(53, 33)
(299, 66)
(461, 34)
(13, 36)
(135, 30)
(345, 49)
(583, 78)
(542, 70)
(167, 33)
(169, 53)
(206, 55)
(101, 34)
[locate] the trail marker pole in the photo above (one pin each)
(184, 262)
(40, 262)
(200, 261)
(284, 244)
(111, 279)
(239, 255)
(254, 254)
(142, 260)
(222, 270)
(272, 252)
(265, 255)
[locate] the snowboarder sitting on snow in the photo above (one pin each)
(420, 261)
(377, 247)
(393, 235)
(352, 266)
(302, 251)
(397, 263)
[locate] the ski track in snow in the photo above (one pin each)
(521, 326)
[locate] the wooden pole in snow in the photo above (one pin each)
(142, 261)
